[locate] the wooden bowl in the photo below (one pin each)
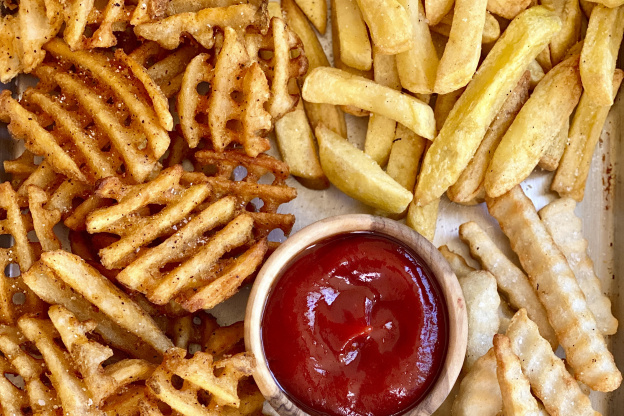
(267, 277)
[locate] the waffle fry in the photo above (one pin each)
(242, 120)
(200, 25)
(12, 399)
(280, 55)
(559, 292)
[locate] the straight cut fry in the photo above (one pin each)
(418, 65)
(423, 219)
(389, 25)
(463, 50)
(353, 42)
(550, 381)
(467, 123)
(600, 51)
(510, 279)
(557, 289)
(407, 149)
(550, 160)
(491, 29)
(333, 86)
(585, 131)
(507, 8)
(316, 12)
(570, 13)
(566, 230)
(534, 128)
(436, 9)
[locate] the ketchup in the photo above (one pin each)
(356, 325)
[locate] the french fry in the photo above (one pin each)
(389, 25)
(381, 130)
(467, 123)
(587, 7)
(534, 128)
(482, 302)
(543, 58)
(423, 219)
(435, 10)
(352, 36)
(491, 29)
(507, 9)
(407, 149)
(550, 160)
(479, 392)
(357, 175)
(505, 313)
(566, 230)
(514, 386)
(333, 86)
(600, 51)
(584, 133)
(469, 186)
(610, 3)
(418, 65)
(443, 106)
(512, 282)
(329, 115)
(316, 11)
(537, 73)
(458, 264)
(463, 50)
(549, 379)
(570, 13)
(559, 292)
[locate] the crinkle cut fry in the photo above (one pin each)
(235, 107)
(281, 67)
(557, 289)
(479, 392)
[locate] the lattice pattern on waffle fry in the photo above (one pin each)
(201, 24)
(233, 111)
(280, 55)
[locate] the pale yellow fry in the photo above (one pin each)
(549, 380)
(418, 65)
(389, 25)
(543, 58)
(566, 230)
(491, 29)
(600, 51)
(458, 264)
(467, 123)
(463, 50)
(510, 279)
(479, 393)
(329, 115)
(584, 133)
(507, 8)
(482, 302)
(550, 160)
(611, 3)
(570, 13)
(423, 219)
(559, 292)
(85, 280)
(469, 186)
(405, 155)
(357, 175)
(515, 387)
(297, 145)
(443, 106)
(380, 132)
(436, 9)
(537, 73)
(353, 42)
(534, 128)
(274, 9)
(333, 86)
(316, 12)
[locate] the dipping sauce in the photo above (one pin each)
(356, 325)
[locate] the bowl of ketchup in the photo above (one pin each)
(356, 315)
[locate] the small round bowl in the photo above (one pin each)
(272, 269)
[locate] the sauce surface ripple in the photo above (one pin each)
(356, 325)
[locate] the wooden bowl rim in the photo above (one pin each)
(267, 277)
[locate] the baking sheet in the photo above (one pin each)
(602, 211)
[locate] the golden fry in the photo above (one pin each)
(389, 25)
(352, 36)
(316, 11)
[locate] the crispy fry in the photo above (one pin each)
(491, 29)
(550, 160)
(43, 219)
(443, 106)
(462, 52)
(389, 25)
(357, 175)
(479, 393)
(537, 73)
(550, 381)
(482, 302)
(405, 155)
(510, 279)
(600, 51)
(458, 264)
(10, 64)
(423, 219)
(505, 313)
(467, 123)
(418, 65)
(381, 130)
(435, 10)
(351, 35)
(566, 230)
(584, 134)
(469, 186)
(515, 388)
(507, 8)
(333, 86)
(316, 11)
(569, 12)
(534, 128)
(558, 290)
